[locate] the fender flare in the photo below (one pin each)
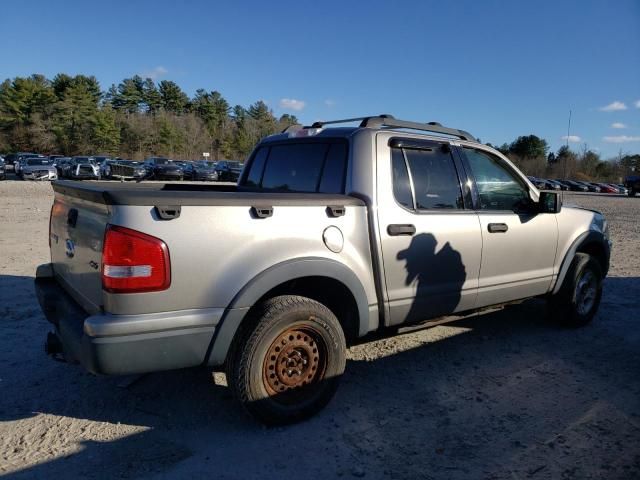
(592, 236)
(276, 275)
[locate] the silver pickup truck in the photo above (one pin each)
(332, 233)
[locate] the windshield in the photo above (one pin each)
(84, 160)
(234, 164)
(38, 161)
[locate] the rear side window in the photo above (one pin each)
(299, 167)
(401, 183)
(435, 180)
(431, 179)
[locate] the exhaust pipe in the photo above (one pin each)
(53, 345)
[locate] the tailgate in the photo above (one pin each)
(77, 231)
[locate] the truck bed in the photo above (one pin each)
(120, 193)
(219, 238)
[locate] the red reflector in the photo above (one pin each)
(133, 262)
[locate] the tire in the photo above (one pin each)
(578, 300)
(631, 192)
(293, 332)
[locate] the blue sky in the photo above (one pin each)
(495, 68)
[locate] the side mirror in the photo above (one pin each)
(550, 202)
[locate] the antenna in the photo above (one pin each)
(565, 157)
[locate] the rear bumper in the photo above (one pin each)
(126, 344)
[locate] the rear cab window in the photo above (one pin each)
(298, 166)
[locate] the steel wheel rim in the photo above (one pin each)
(586, 292)
(295, 364)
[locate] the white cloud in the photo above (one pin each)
(613, 107)
(330, 103)
(618, 125)
(571, 138)
(637, 104)
(621, 139)
(291, 104)
(155, 73)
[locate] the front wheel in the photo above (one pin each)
(285, 365)
(631, 192)
(579, 297)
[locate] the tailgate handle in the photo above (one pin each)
(336, 210)
(396, 230)
(168, 212)
(498, 227)
(262, 212)
(72, 218)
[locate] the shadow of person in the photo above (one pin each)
(439, 276)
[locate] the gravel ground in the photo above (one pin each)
(503, 396)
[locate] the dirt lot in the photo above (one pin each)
(504, 396)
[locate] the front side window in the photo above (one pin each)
(433, 177)
(498, 187)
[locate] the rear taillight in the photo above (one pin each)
(133, 262)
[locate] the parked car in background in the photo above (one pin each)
(20, 162)
(575, 186)
(128, 170)
(162, 168)
(548, 184)
(228, 171)
(3, 174)
(36, 168)
(81, 168)
(591, 187)
(201, 170)
(606, 188)
(12, 158)
(558, 185)
(621, 188)
(632, 184)
(105, 167)
(60, 163)
(54, 158)
(539, 183)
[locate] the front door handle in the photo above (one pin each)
(498, 227)
(401, 229)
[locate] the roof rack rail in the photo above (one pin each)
(386, 120)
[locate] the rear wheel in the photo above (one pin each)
(578, 300)
(285, 365)
(631, 192)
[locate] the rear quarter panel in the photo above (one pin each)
(216, 250)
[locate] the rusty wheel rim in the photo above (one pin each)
(295, 361)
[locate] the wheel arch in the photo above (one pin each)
(593, 243)
(325, 280)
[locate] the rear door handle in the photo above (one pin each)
(401, 229)
(498, 227)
